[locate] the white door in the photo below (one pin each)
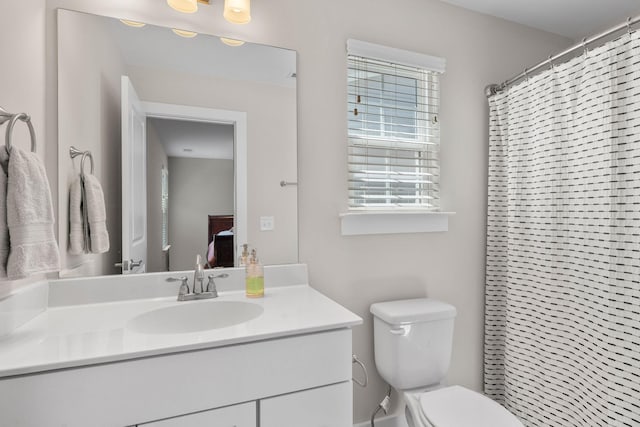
(134, 183)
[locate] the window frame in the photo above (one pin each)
(424, 70)
(392, 219)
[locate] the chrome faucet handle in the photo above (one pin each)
(184, 286)
(211, 285)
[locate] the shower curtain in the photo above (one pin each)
(562, 320)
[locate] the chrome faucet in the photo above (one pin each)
(197, 292)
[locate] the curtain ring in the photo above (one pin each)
(526, 74)
(551, 65)
(629, 26)
(584, 46)
(25, 118)
(84, 156)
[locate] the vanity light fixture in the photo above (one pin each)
(134, 24)
(184, 6)
(231, 42)
(235, 11)
(184, 33)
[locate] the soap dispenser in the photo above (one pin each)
(254, 276)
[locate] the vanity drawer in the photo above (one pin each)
(243, 415)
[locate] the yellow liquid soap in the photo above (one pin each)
(255, 287)
(254, 277)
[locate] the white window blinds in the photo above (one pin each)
(165, 206)
(393, 129)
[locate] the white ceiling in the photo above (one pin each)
(200, 139)
(203, 55)
(574, 19)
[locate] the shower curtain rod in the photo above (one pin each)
(496, 88)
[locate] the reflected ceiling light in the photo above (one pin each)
(134, 24)
(237, 11)
(184, 33)
(231, 42)
(185, 6)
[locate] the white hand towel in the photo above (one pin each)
(4, 230)
(76, 233)
(96, 215)
(33, 247)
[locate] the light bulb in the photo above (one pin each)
(185, 6)
(231, 42)
(237, 11)
(184, 33)
(134, 24)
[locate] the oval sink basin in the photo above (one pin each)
(194, 317)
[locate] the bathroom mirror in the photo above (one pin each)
(220, 144)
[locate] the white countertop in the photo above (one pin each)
(85, 334)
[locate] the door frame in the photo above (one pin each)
(239, 121)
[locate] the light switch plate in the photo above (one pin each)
(267, 223)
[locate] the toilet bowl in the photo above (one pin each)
(412, 344)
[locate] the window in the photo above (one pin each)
(165, 207)
(393, 128)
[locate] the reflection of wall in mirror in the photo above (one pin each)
(197, 188)
(89, 97)
(89, 106)
(271, 140)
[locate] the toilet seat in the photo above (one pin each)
(457, 406)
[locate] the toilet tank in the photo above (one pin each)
(412, 341)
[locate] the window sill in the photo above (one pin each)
(393, 222)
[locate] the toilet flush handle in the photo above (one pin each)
(399, 331)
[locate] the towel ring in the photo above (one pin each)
(12, 121)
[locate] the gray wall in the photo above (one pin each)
(197, 188)
(354, 271)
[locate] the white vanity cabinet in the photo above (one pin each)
(300, 380)
(82, 362)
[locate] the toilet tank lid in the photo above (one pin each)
(412, 311)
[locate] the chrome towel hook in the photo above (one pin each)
(12, 119)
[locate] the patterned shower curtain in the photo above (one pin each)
(562, 320)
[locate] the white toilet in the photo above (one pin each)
(413, 340)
